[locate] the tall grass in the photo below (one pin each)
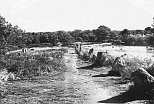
(133, 64)
(30, 64)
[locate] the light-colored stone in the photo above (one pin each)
(9, 76)
(119, 65)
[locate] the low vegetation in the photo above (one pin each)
(133, 64)
(30, 64)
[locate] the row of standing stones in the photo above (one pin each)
(140, 77)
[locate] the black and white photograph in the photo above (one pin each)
(76, 51)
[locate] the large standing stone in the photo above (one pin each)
(78, 47)
(119, 65)
(91, 51)
(92, 57)
(102, 59)
(142, 78)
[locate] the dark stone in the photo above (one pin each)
(114, 73)
(142, 78)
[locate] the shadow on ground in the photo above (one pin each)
(89, 67)
(133, 94)
(110, 73)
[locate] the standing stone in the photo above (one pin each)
(142, 78)
(91, 51)
(92, 57)
(119, 65)
(101, 59)
(78, 48)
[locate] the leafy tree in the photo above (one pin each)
(88, 36)
(9, 35)
(2, 31)
(147, 30)
(150, 40)
(139, 32)
(124, 35)
(131, 41)
(76, 34)
(114, 37)
(52, 38)
(102, 33)
(64, 37)
(16, 37)
(43, 38)
(141, 41)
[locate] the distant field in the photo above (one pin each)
(132, 51)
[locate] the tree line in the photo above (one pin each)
(14, 36)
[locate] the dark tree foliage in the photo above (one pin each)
(14, 36)
(147, 30)
(64, 37)
(124, 35)
(102, 33)
(76, 34)
(10, 35)
(150, 40)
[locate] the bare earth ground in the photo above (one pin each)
(76, 86)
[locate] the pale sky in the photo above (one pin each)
(68, 15)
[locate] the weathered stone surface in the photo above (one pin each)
(9, 76)
(142, 78)
(77, 48)
(91, 51)
(92, 58)
(103, 59)
(119, 65)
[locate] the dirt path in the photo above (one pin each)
(76, 86)
(104, 90)
(81, 79)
